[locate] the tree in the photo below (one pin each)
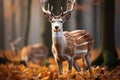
(79, 15)
(108, 55)
(27, 28)
(1, 25)
(13, 20)
(3, 59)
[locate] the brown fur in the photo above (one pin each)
(33, 52)
(74, 41)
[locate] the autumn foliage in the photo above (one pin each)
(16, 71)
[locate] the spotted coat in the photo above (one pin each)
(78, 40)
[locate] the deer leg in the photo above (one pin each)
(76, 66)
(70, 62)
(87, 57)
(60, 66)
(24, 63)
(24, 60)
(33, 60)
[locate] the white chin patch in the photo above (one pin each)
(57, 30)
(57, 34)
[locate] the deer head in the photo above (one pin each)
(57, 21)
(14, 45)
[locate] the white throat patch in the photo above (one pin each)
(57, 34)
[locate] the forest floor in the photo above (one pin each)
(16, 71)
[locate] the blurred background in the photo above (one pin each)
(24, 19)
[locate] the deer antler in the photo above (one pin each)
(70, 6)
(48, 11)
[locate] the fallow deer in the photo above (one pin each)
(69, 46)
(34, 52)
(31, 52)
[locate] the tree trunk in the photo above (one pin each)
(108, 56)
(97, 25)
(1, 25)
(27, 28)
(79, 15)
(3, 59)
(13, 20)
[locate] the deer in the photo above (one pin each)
(68, 46)
(31, 52)
(34, 53)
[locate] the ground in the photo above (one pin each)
(17, 71)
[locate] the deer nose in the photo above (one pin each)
(56, 27)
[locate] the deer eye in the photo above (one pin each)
(61, 21)
(52, 21)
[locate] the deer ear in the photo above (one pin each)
(66, 16)
(47, 16)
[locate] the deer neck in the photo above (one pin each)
(58, 40)
(14, 49)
